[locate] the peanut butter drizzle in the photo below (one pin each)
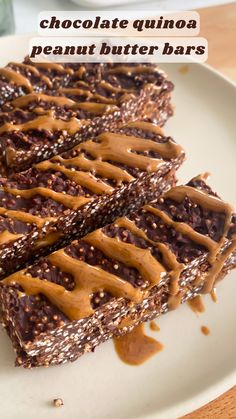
(170, 260)
(148, 126)
(76, 91)
(69, 201)
(141, 259)
(48, 240)
(205, 330)
(135, 347)
(82, 178)
(16, 78)
(214, 295)
(186, 230)
(154, 326)
(54, 66)
(6, 237)
(174, 301)
(92, 107)
(184, 69)
(96, 108)
(196, 304)
(104, 169)
(29, 67)
(22, 101)
(114, 89)
(211, 203)
(75, 304)
(169, 257)
(214, 272)
(34, 71)
(25, 217)
(81, 71)
(120, 148)
(46, 122)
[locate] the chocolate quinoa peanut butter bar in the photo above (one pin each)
(82, 189)
(51, 117)
(120, 275)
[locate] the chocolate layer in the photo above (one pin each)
(118, 276)
(83, 189)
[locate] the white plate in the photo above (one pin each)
(192, 369)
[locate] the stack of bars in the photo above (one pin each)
(54, 107)
(104, 238)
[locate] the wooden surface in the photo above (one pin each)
(218, 25)
(222, 408)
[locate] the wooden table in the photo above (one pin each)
(218, 25)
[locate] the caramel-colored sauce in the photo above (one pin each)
(209, 202)
(213, 295)
(186, 230)
(135, 348)
(25, 217)
(29, 67)
(16, 78)
(69, 201)
(121, 149)
(114, 89)
(169, 258)
(184, 69)
(46, 122)
(54, 66)
(48, 240)
(205, 330)
(214, 272)
(129, 254)
(149, 127)
(80, 178)
(91, 107)
(96, 108)
(175, 300)
(97, 166)
(34, 71)
(22, 101)
(6, 237)
(154, 326)
(76, 91)
(196, 304)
